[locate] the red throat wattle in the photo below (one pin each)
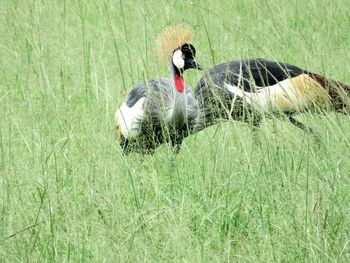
(179, 83)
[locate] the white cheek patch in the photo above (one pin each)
(178, 61)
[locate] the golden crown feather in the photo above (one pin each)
(172, 38)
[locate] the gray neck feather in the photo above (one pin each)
(178, 103)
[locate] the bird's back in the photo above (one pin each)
(267, 85)
(216, 100)
(248, 74)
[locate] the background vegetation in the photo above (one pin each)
(67, 193)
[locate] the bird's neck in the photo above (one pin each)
(178, 109)
(177, 78)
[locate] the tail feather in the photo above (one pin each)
(338, 91)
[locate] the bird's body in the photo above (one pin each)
(241, 89)
(154, 113)
(164, 109)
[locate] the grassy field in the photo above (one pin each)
(68, 195)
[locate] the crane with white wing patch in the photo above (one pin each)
(163, 109)
(246, 89)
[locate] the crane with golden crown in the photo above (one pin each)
(163, 109)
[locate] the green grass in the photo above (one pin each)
(68, 194)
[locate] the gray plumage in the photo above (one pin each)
(163, 91)
(159, 110)
(162, 120)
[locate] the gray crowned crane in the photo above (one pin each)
(246, 89)
(162, 109)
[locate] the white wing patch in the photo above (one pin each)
(287, 95)
(263, 99)
(128, 119)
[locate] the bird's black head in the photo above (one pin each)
(184, 57)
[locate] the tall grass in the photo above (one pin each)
(68, 194)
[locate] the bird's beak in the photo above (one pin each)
(191, 63)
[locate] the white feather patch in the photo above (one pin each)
(128, 118)
(281, 96)
(178, 60)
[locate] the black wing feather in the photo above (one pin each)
(250, 73)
